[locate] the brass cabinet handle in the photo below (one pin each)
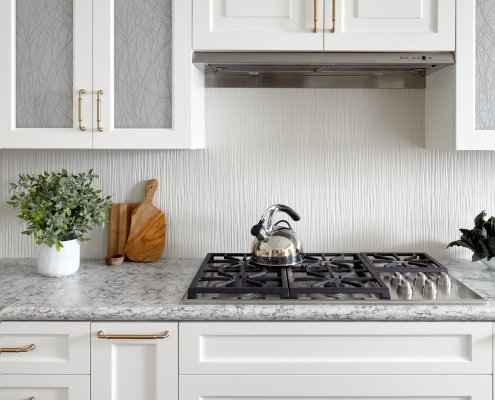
(99, 93)
(80, 110)
(315, 16)
(103, 335)
(29, 347)
(334, 9)
(32, 398)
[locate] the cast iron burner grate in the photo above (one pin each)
(338, 276)
(403, 262)
(233, 276)
(320, 275)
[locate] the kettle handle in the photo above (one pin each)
(264, 227)
(295, 216)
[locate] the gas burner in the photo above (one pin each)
(328, 277)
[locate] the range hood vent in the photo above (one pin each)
(319, 70)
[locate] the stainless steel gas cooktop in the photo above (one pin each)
(324, 278)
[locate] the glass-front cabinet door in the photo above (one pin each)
(45, 74)
(148, 93)
(99, 74)
(475, 75)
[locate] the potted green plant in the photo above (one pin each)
(59, 210)
(480, 240)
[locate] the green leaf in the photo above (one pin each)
(462, 244)
(479, 220)
(476, 257)
(491, 245)
(486, 253)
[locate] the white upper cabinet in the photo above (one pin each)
(460, 100)
(148, 93)
(45, 59)
(288, 25)
(390, 25)
(104, 74)
(324, 25)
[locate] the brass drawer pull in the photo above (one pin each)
(103, 335)
(315, 16)
(32, 398)
(80, 110)
(29, 347)
(334, 8)
(99, 93)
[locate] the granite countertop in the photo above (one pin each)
(153, 292)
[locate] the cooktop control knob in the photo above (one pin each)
(430, 290)
(396, 279)
(405, 289)
(419, 280)
(444, 281)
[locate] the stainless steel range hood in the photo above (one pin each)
(319, 70)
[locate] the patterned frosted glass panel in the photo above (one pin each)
(143, 64)
(485, 65)
(44, 63)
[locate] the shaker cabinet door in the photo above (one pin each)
(278, 25)
(134, 361)
(389, 25)
(148, 93)
(45, 67)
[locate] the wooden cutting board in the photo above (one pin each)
(146, 240)
(119, 226)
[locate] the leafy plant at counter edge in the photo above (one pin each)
(59, 206)
(480, 240)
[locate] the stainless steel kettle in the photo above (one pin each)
(276, 244)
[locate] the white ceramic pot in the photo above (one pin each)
(55, 263)
(489, 264)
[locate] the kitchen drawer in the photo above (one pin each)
(44, 387)
(335, 348)
(332, 387)
(60, 347)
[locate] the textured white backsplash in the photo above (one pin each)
(351, 162)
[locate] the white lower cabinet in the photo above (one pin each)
(44, 387)
(246, 360)
(335, 360)
(134, 361)
(349, 387)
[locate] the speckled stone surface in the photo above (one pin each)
(153, 292)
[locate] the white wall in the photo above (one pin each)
(351, 162)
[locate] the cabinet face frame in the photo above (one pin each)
(187, 86)
(49, 138)
(341, 40)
